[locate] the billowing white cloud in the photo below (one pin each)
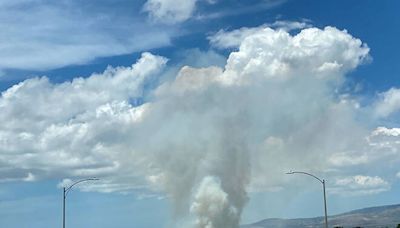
(311, 53)
(359, 184)
(204, 137)
(60, 130)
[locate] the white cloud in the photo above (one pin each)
(42, 39)
(290, 25)
(347, 159)
(273, 107)
(398, 175)
(277, 54)
(241, 8)
(360, 185)
(71, 129)
(170, 11)
(380, 145)
(386, 141)
(386, 132)
(361, 181)
(232, 39)
(388, 103)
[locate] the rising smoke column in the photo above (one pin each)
(212, 206)
(212, 129)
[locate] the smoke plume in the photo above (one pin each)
(211, 133)
(203, 138)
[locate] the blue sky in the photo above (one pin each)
(101, 88)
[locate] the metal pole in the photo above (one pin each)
(64, 207)
(326, 212)
(323, 186)
(66, 190)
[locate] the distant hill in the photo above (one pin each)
(383, 216)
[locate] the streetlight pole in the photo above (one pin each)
(67, 189)
(323, 187)
(64, 207)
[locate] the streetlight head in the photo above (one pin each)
(291, 172)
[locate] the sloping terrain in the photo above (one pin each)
(383, 216)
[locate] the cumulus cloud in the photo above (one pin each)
(384, 131)
(386, 141)
(204, 137)
(286, 54)
(302, 55)
(56, 130)
(360, 184)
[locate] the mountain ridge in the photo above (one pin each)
(374, 217)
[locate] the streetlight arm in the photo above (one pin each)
(77, 182)
(309, 174)
(323, 187)
(67, 189)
